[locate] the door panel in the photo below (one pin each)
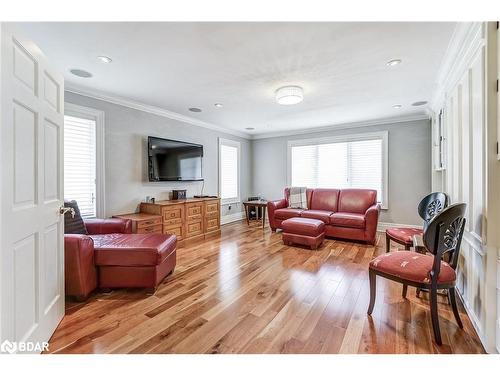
(31, 251)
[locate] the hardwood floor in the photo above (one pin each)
(246, 292)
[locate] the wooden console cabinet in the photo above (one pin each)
(188, 219)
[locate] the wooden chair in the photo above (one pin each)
(427, 209)
(442, 235)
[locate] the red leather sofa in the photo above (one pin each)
(111, 257)
(348, 213)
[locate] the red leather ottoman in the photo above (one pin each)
(134, 260)
(303, 231)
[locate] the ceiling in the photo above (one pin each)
(342, 67)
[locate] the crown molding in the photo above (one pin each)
(351, 125)
(467, 38)
(94, 94)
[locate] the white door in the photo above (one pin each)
(31, 154)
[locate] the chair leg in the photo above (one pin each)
(434, 315)
(373, 291)
(418, 292)
(405, 290)
(407, 247)
(453, 303)
(387, 243)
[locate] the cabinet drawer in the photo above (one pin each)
(172, 222)
(148, 223)
(212, 207)
(212, 224)
(173, 212)
(194, 229)
(193, 209)
(174, 230)
(150, 229)
(212, 215)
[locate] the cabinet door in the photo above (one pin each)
(173, 212)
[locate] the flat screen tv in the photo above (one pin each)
(170, 160)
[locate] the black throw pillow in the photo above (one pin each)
(73, 225)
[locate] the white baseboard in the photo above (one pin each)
(382, 227)
(226, 219)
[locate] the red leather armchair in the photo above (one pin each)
(80, 273)
(348, 213)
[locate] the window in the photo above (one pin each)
(83, 180)
(229, 173)
(358, 161)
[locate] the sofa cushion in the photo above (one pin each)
(348, 220)
(356, 200)
(308, 196)
(412, 266)
(119, 249)
(324, 216)
(303, 226)
(325, 199)
(287, 213)
(73, 224)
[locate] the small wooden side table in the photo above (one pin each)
(418, 244)
(143, 222)
(261, 204)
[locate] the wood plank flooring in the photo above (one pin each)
(246, 292)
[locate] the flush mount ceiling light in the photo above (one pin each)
(288, 95)
(397, 106)
(81, 73)
(194, 109)
(394, 62)
(417, 104)
(104, 59)
(218, 105)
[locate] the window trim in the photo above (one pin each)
(75, 110)
(229, 142)
(383, 135)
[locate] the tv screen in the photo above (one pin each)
(170, 160)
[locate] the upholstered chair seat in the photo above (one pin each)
(404, 236)
(412, 266)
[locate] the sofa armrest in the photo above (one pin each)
(371, 219)
(273, 206)
(107, 226)
(79, 270)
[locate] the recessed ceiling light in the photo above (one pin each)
(218, 105)
(416, 104)
(194, 109)
(249, 128)
(104, 59)
(81, 73)
(288, 95)
(397, 106)
(394, 62)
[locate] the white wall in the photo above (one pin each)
(126, 132)
(471, 169)
(409, 166)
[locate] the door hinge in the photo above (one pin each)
(497, 85)
(497, 148)
(497, 25)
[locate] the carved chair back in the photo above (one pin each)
(443, 235)
(431, 205)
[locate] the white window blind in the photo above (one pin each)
(80, 163)
(229, 174)
(343, 164)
